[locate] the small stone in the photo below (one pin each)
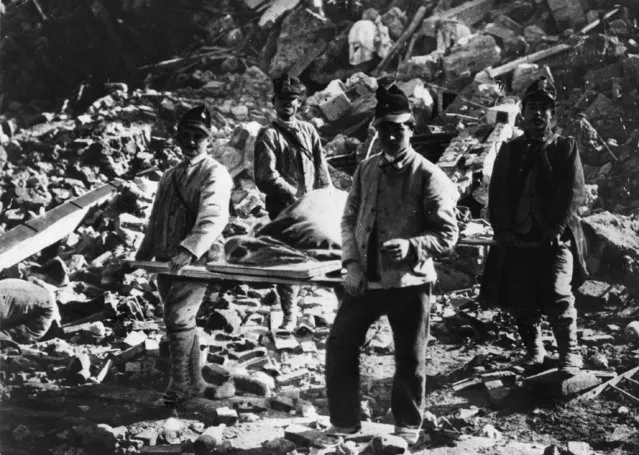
(579, 448)
(20, 432)
(491, 432)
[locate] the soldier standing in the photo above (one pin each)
(400, 212)
(289, 162)
(190, 211)
(535, 191)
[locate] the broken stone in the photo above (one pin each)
(472, 56)
(491, 432)
(228, 320)
(578, 448)
(497, 392)
(386, 445)
(209, 441)
(279, 446)
(255, 383)
(336, 107)
(567, 13)
(225, 416)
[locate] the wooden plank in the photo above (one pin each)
(200, 272)
(630, 396)
(303, 270)
(532, 58)
(469, 13)
(96, 196)
(600, 388)
(40, 232)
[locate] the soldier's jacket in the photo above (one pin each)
(559, 190)
(283, 171)
(196, 219)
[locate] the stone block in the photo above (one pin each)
(567, 13)
(215, 374)
(497, 392)
(465, 60)
(226, 416)
(334, 108)
(504, 113)
(255, 383)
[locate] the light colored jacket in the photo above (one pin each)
(195, 219)
(411, 199)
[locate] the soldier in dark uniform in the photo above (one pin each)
(190, 211)
(536, 188)
(289, 162)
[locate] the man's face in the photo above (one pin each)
(192, 141)
(394, 137)
(286, 106)
(537, 115)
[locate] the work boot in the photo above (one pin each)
(535, 351)
(288, 300)
(570, 360)
(179, 388)
(199, 386)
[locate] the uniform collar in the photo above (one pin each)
(292, 124)
(397, 162)
(193, 161)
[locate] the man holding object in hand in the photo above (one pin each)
(400, 212)
(190, 211)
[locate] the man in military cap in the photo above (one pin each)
(399, 214)
(536, 188)
(190, 210)
(289, 162)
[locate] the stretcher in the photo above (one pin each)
(323, 273)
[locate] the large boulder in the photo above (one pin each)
(613, 248)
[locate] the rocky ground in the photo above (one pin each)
(90, 389)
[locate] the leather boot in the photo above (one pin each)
(570, 360)
(179, 388)
(535, 351)
(288, 300)
(199, 386)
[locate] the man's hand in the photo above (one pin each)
(396, 249)
(180, 260)
(354, 282)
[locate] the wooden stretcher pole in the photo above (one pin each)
(198, 272)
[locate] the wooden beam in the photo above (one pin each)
(417, 21)
(600, 388)
(532, 58)
(201, 273)
(34, 235)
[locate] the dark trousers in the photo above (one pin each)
(539, 282)
(408, 311)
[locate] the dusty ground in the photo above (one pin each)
(62, 419)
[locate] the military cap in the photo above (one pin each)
(287, 85)
(541, 90)
(199, 118)
(392, 105)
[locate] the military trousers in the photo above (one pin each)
(408, 312)
(539, 281)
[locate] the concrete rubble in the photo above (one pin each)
(464, 67)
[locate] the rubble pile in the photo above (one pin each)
(464, 66)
